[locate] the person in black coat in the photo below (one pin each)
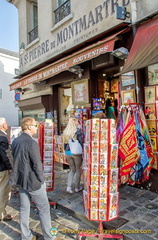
(6, 160)
(28, 175)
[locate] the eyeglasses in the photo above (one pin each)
(36, 125)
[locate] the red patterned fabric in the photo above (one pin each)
(128, 150)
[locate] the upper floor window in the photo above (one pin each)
(32, 21)
(63, 10)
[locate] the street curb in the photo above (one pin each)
(78, 216)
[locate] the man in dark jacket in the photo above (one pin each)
(28, 175)
(5, 166)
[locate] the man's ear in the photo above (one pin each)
(29, 127)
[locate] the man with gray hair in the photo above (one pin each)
(5, 166)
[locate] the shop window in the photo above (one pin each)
(38, 114)
(32, 20)
(0, 93)
(63, 10)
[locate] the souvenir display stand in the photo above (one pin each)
(46, 143)
(59, 153)
(151, 115)
(100, 171)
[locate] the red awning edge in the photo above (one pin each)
(144, 50)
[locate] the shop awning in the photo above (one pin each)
(144, 50)
(92, 51)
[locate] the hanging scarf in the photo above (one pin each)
(120, 127)
(135, 150)
(136, 173)
(128, 151)
(148, 146)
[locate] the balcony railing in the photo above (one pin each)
(62, 11)
(33, 34)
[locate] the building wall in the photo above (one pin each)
(147, 8)
(53, 40)
(9, 61)
(87, 20)
(142, 9)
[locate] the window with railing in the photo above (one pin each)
(33, 34)
(62, 11)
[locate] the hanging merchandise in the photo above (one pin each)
(135, 148)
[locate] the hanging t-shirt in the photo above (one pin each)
(110, 112)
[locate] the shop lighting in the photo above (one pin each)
(23, 90)
(77, 70)
(121, 13)
(121, 53)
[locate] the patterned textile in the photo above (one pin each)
(137, 171)
(135, 149)
(148, 146)
(120, 127)
(128, 151)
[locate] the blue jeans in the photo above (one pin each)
(41, 200)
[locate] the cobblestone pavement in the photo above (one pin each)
(138, 214)
(66, 225)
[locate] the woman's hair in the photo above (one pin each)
(70, 130)
(108, 104)
(27, 121)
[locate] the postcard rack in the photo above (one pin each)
(100, 173)
(46, 143)
(151, 115)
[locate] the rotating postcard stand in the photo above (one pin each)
(100, 171)
(46, 136)
(46, 143)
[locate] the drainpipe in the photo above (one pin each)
(134, 19)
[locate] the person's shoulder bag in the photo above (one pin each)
(75, 147)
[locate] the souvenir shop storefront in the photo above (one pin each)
(136, 91)
(144, 113)
(81, 87)
(90, 71)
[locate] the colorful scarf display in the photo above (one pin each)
(135, 149)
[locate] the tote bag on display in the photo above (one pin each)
(75, 146)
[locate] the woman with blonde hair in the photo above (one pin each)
(71, 133)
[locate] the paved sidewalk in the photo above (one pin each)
(66, 225)
(138, 209)
(138, 212)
